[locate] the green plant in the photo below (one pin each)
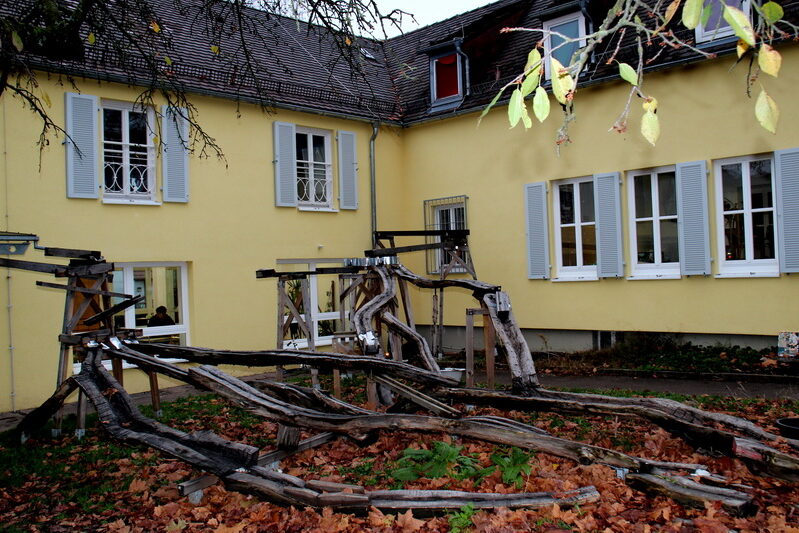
(461, 521)
(513, 466)
(442, 460)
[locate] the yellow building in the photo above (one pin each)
(695, 236)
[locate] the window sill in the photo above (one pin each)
(640, 277)
(587, 277)
(129, 201)
(722, 275)
(317, 209)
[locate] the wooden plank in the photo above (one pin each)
(83, 290)
(388, 234)
(469, 349)
(85, 303)
(83, 271)
(388, 252)
(73, 253)
(490, 350)
(114, 309)
(272, 273)
(45, 268)
(423, 400)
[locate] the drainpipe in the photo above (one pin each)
(466, 75)
(10, 324)
(373, 180)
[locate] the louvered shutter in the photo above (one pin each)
(175, 132)
(692, 223)
(82, 146)
(285, 164)
(787, 200)
(347, 170)
(535, 204)
(607, 206)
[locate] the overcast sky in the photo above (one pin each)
(429, 11)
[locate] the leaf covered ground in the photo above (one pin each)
(62, 484)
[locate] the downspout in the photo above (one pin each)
(8, 270)
(373, 180)
(466, 74)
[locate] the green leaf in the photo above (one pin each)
(16, 40)
(490, 105)
(91, 38)
(638, 20)
(562, 82)
(772, 12)
(740, 23)
(706, 12)
(168, 60)
(541, 104)
(769, 60)
(215, 49)
(767, 112)
(650, 127)
(530, 82)
(533, 59)
(515, 108)
(692, 13)
(405, 474)
(628, 74)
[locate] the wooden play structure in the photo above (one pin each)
(378, 330)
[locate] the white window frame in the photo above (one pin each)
(128, 197)
(316, 316)
(744, 268)
(130, 312)
(658, 269)
(549, 24)
(706, 35)
(434, 79)
(580, 272)
(441, 261)
(310, 205)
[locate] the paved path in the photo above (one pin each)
(678, 386)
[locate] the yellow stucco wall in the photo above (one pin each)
(704, 114)
(228, 229)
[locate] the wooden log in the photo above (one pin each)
(39, 416)
(93, 255)
(331, 486)
(420, 399)
(397, 325)
(469, 348)
(691, 493)
(288, 437)
(520, 360)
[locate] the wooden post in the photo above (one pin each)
(469, 348)
(80, 426)
(281, 305)
(490, 341)
(155, 394)
(311, 327)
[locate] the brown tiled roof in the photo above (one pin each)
(301, 66)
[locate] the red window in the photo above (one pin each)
(446, 72)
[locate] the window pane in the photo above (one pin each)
(760, 182)
(319, 148)
(320, 183)
(669, 245)
(643, 196)
(112, 168)
(763, 235)
(568, 244)
(645, 241)
(566, 203)
(137, 127)
(589, 245)
(587, 201)
(112, 125)
(302, 146)
(303, 182)
(732, 186)
(667, 193)
(734, 244)
(161, 288)
(571, 30)
(444, 217)
(446, 72)
(716, 20)
(459, 221)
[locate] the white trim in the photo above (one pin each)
(121, 201)
(706, 35)
(126, 196)
(549, 24)
(327, 135)
(579, 272)
(744, 267)
(657, 269)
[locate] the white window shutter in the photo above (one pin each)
(285, 140)
(535, 206)
(175, 153)
(82, 146)
(347, 170)
(786, 175)
(692, 224)
(607, 209)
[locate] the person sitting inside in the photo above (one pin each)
(160, 318)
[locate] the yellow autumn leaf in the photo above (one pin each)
(769, 60)
(562, 82)
(46, 99)
(215, 49)
(671, 10)
(155, 27)
(533, 60)
(650, 127)
(515, 108)
(91, 38)
(168, 60)
(650, 104)
(740, 23)
(692, 13)
(767, 112)
(541, 104)
(741, 47)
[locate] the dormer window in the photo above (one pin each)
(571, 26)
(716, 27)
(446, 77)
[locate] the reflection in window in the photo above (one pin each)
(564, 28)
(128, 152)
(314, 178)
(716, 27)
(576, 223)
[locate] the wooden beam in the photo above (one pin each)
(114, 309)
(73, 253)
(83, 290)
